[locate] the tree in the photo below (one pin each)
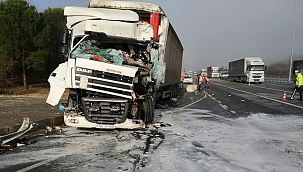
(47, 40)
(277, 69)
(6, 73)
(18, 28)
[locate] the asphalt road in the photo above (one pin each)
(230, 127)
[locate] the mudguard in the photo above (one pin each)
(57, 84)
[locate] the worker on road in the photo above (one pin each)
(181, 81)
(299, 85)
(199, 80)
(206, 82)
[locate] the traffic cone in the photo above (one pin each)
(249, 83)
(284, 96)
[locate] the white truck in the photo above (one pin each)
(119, 58)
(248, 69)
(213, 72)
(203, 72)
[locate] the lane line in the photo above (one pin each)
(288, 86)
(36, 165)
(220, 103)
(183, 107)
(269, 88)
(268, 98)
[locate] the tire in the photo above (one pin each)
(148, 110)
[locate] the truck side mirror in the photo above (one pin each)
(64, 37)
(62, 49)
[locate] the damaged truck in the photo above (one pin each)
(119, 58)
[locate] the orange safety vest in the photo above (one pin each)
(200, 80)
(206, 79)
(181, 78)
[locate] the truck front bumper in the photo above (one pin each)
(81, 122)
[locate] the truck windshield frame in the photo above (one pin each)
(256, 68)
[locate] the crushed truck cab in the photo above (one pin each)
(118, 60)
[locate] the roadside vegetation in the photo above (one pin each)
(277, 70)
(28, 46)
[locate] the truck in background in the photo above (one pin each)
(248, 69)
(203, 72)
(213, 71)
(119, 58)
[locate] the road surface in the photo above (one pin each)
(232, 127)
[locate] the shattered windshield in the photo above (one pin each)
(122, 54)
(108, 55)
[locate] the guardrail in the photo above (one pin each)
(24, 128)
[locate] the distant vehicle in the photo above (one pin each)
(190, 73)
(248, 69)
(203, 72)
(188, 80)
(213, 71)
(224, 75)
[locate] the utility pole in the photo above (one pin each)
(293, 42)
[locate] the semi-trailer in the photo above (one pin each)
(248, 69)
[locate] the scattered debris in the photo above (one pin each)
(159, 106)
(174, 99)
(48, 128)
(191, 88)
(25, 127)
(54, 130)
(160, 124)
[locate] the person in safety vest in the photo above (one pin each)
(206, 82)
(199, 80)
(181, 81)
(299, 85)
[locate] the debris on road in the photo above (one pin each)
(24, 128)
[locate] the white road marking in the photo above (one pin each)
(270, 88)
(268, 98)
(288, 86)
(194, 102)
(219, 102)
(36, 165)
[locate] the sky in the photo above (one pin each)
(215, 32)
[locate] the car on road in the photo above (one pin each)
(188, 80)
(224, 75)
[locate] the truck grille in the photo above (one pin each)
(105, 111)
(104, 82)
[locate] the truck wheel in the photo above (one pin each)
(151, 106)
(172, 91)
(147, 114)
(152, 103)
